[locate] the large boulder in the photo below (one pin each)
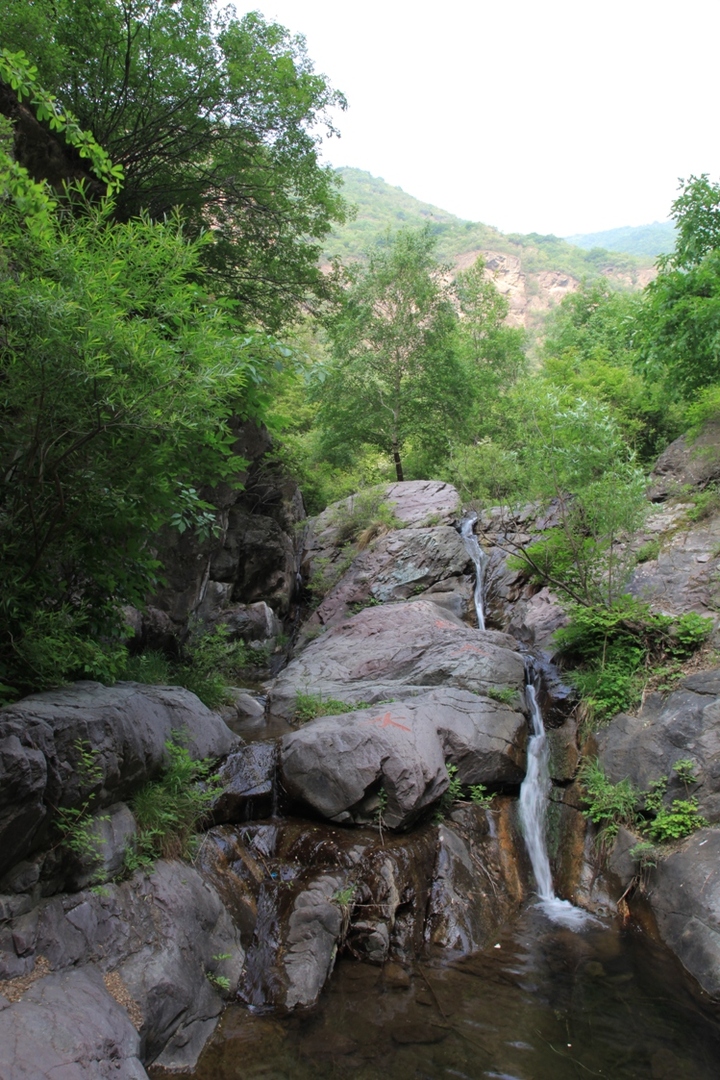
(397, 566)
(158, 935)
(388, 764)
(89, 743)
(393, 652)
(682, 576)
(687, 462)
(685, 898)
(68, 1025)
(686, 725)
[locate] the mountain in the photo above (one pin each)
(643, 240)
(534, 272)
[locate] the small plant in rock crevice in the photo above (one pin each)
(169, 810)
(77, 825)
(312, 706)
(505, 695)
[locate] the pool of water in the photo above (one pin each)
(544, 1002)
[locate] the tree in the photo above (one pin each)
(395, 379)
(218, 115)
(495, 351)
(679, 334)
(117, 375)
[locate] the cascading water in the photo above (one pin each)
(479, 558)
(534, 793)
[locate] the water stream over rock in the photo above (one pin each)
(479, 559)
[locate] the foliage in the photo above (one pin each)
(479, 795)
(355, 519)
(77, 825)
(168, 810)
(612, 805)
(395, 380)
(313, 706)
(607, 805)
(218, 115)
(118, 374)
(674, 822)
(506, 695)
(705, 503)
(616, 646)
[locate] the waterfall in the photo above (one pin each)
(534, 793)
(479, 558)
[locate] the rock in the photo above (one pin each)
(158, 933)
(311, 939)
(394, 651)
(683, 463)
(67, 1025)
(685, 898)
(46, 739)
(686, 725)
(249, 622)
(339, 764)
(248, 780)
(477, 883)
(257, 558)
(111, 834)
(683, 577)
(396, 567)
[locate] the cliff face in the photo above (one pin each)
(532, 294)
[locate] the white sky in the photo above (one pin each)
(552, 116)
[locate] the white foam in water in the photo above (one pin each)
(534, 793)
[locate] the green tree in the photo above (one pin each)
(394, 380)
(118, 373)
(218, 115)
(495, 351)
(680, 326)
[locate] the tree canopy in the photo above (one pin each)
(217, 115)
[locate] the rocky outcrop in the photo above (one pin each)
(90, 744)
(687, 463)
(686, 725)
(393, 652)
(153, 940)
(389, 764)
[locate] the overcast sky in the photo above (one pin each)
(550, 116)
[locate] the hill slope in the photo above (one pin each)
(533, 271)
(647, 241)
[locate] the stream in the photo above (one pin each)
(558, 994)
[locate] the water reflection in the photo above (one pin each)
(548, 1004)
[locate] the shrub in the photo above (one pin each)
(168, 810)
(607, 805)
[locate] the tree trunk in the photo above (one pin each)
(398, 465)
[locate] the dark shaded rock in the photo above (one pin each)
(685, 898)
(248, 780)
(477, 881)
(686, 725)
(111, 835)
(394, 651)
(159, 932)
(339, 764)
(124, 728)
(67, 1025)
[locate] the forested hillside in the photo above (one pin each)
(156, 285)
(641, 240)
(534, 272)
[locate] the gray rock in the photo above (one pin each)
(68, 1027)
(311, 939)
(687, 463)
(123, 727)
(394, 651)
(158, 932)
(110, 836)
(248, 780)
(686, 900)
(338, 764)
(686, 725)
(683, 577)
(396, 567)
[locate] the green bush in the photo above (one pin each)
(607, 805)
(681, 818)
(168, 810)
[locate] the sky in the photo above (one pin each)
(549, 116)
